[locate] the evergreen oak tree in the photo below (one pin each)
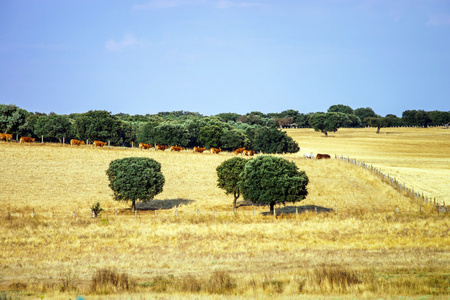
(135, 178)
(270, 180)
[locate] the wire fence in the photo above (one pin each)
(410, 191)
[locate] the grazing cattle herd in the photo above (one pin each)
(142, 146)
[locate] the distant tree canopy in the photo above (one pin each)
(13, 120)
(341, 108)
(329, 122)
(54, 127)
(254, 130)
(101, 125)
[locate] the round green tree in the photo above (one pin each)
(228, 176)
(270, 180)
(135, 178)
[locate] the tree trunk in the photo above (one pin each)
(236, 196)
(272, 205)
(133, 206)
(325, 133)
(378, 129)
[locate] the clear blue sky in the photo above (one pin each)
(214, 56)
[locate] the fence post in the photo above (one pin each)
(64, 140)
(254, 213)
(34, 213)
(53, 214)
(296, 212)
(93, 214)
(73, 214)
(42, 139)
(115, 213)
(109, 143)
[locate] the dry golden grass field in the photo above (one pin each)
(344, 240)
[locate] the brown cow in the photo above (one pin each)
(26, 139)
(144, 146)
(76, 142)
(98, 144)
(176, 148)
(160, 147)
(215, 150)
(322, 156)
(249, 152)
(5, 136)
(199, 149)
(239, 150)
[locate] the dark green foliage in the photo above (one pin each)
(13, 120)
(228, 176)
(271, 140)
(101, 125)
(341, 108)
(171, 133)
(54, 127)
(226, 117)
(96, 209)
(234, 138)
(363, 113)
(270, 180)
(210, 136)
(135, 178)
(326, 122)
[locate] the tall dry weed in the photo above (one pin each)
(108, 280)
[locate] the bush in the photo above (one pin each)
(106, 281)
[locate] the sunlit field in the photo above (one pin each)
(354, 236)
(418, 157)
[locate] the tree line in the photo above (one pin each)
(254, 130)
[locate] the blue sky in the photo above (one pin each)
(215, 56)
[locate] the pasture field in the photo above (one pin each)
(418, 157)
(345, 240)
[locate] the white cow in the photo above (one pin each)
(309, 155)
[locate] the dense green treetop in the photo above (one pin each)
(270, 180)
(135, 178)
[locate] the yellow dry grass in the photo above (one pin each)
(363, 240)
(418, 157)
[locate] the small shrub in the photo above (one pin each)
(190, 284)
(18, 286)
(220, 283)
(106, 281)
(159, 284)
(67, 282)
(334, 278)
(275, 286)
(96, 209)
